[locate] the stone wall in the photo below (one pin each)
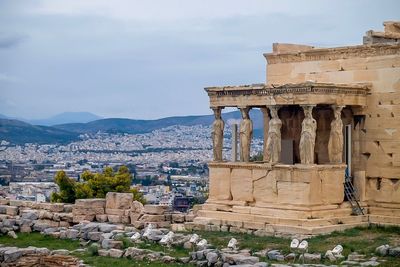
(116, 208)
(258, 185)
(376, 127)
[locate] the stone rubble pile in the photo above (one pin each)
(32, 256)
(110, 240)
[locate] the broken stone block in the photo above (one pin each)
(29, 214)
(110, 243)
(72, 234)
(114, 218)
(60, 252)
(101, 217)
(103, 252)
(178, 218)
(12, 255)
(115, 253)
(121, 201)
(94, 236)
(25, 228)
(12, 211)
(155, 209)
(152, 218)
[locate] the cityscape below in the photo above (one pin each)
(168, 165)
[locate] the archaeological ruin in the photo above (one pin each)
(331, 141)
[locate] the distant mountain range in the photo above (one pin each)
(65, 117)
(19, 132)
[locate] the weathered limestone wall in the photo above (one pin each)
(298, 185)
(376, 135)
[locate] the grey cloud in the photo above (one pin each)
(9, 41)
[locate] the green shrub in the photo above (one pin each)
(94, 185)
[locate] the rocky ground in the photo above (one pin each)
(87, 242)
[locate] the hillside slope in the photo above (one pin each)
(19, 132)
(117, 125)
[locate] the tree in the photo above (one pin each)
(67, 188)
(94, 185)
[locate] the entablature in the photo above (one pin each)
(260, 95)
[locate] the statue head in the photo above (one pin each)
(337, 112)
(274, 112)
(308, 111)
(217, 113)
(245, 113)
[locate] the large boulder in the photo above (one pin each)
(394, 252)
(212, 258)
(94, 236)
(133, 252)
(40, 225)
(72, 234)
(106, 227)
(239, 259)
(29, 214)
(12, 255)
(382, 250)
(111, 243)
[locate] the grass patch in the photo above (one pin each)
(37, 240)
(176, 251)
(246, 241)
(97, 261)
(362, 240)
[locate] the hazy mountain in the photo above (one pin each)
(19, 132)
(116, 125)
(66, 117)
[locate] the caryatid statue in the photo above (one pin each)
(335, 144)
(245, 135)
(274, 136)
(308, 134)
(217, 135)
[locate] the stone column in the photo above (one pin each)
(335, 144)
(217, 134)
(245, 134)
(234, 142)
(274, 136)
(308, 134)
(264, 110)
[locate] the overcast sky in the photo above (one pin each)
(151, 59)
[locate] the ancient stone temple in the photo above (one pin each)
(331, 141)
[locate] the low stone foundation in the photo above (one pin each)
(116, 208)
(283, 199)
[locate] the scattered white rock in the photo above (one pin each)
(136, 236)
(233, 243)
(12, 234)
